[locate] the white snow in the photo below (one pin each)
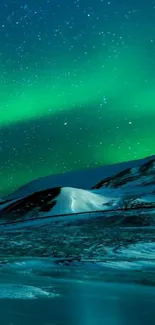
(13, 291)
(74, 200)
(140, 250)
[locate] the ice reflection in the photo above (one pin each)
(84, 303)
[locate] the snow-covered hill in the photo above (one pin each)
(131, 188)
(142, 175)
(72, 200)
(56, 201)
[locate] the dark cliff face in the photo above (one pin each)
(139, 176)
(34, 203)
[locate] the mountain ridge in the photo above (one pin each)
(85, 178)
(129, 189)
(130, 175)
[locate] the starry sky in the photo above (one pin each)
(77, 85)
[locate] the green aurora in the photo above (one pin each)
(78, 96)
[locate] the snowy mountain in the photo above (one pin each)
(57, 201)
(109, 225)
(84, 179)
(132, 188)
(142, 175)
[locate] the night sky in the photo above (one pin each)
(77, 85)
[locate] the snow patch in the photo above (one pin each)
(14, 291)
(74, 200)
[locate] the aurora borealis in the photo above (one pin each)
(77, 86)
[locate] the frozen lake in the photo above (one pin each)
(82, 303)
(91, 272)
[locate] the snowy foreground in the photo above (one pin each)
(81, 245)
(114, 219)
